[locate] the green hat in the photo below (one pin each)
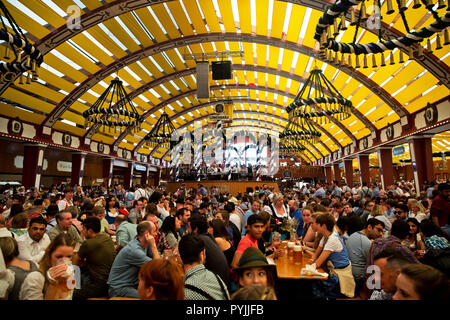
(253, 257)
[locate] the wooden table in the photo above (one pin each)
(287, 269)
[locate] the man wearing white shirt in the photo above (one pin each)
(32, 245)
(140, 193)
(68, 199)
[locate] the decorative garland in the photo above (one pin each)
(341, 7)
(30, 63)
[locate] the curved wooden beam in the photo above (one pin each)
(92, 18)
(213, 37)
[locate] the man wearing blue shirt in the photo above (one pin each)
(123, 277)
(319, 192)
(296, 213)
(336, 190)
(256, 205)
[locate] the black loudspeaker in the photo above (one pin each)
(221, 70)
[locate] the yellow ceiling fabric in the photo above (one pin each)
(101, 46)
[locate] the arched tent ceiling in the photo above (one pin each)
(144, 45)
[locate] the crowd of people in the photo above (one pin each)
(77, 243)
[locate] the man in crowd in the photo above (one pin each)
(296, 213)
(215, 258)
(255, 207)
(320, 192)
(33, 243)
(399, 232)
(401, 212)
(125, 231)
(64, 224)
(96, 256)
(199, 282)
(440, 207)
(255, 229)
(123, 277)
(183, 215)
(135, 213)
(358, 246)
(140, 192)
(388, 264)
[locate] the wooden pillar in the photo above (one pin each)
(33, 159)
(363, 164)
(127, 176)
(337, 172)
(78, 161)
(328, 174)
(421, 152)
(108, 165)
(386, 167)
(348, 171)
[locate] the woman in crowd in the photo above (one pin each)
(161, 279)
(278, 209)
(20, 268)
(414, 241)
(222, 237)
(19, 224)
(55, 279)
(169, 236)
(311, 246)
(378, 213)
(112, 211)
(433, 236)
(332, 255)
(253, 269)
(224, 215)
(422, 282)
(417, 210)
(307, 233)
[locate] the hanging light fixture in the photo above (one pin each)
(301, 129)
(161, 133)
(319, 100)
(27, 58)
(290, 148)
(113, 110)
(407, 43)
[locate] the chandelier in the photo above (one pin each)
(301, 129)
(338, 10)
(291, 148)
(114, 110)
(317, 104)
(161, 133)
(27, 57)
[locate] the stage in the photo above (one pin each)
(232, 187)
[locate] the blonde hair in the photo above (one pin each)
(416, 203)
(277, 196)
(377, 211)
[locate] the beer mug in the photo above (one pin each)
(291, 250)
(298, 254)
